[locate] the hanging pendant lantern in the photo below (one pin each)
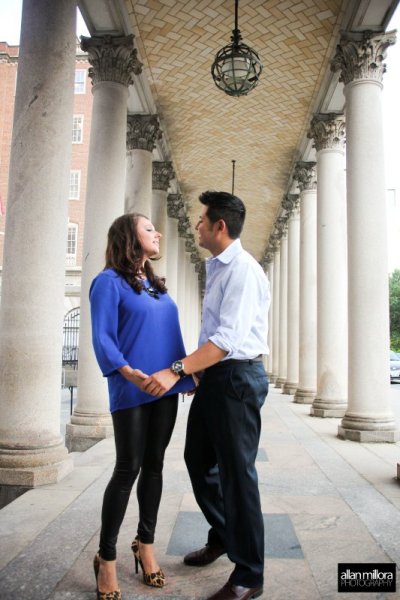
(237, 67)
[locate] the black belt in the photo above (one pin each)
(234, 361)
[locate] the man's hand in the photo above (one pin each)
(159, 383)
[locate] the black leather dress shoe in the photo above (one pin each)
(230, 591)
(205, 556)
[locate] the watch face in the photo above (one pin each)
(177, 366)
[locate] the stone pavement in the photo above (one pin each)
(324, 501)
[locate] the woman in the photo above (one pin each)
(135, 331)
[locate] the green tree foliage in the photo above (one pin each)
(394, 303)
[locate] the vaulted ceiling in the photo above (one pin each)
(264, 132)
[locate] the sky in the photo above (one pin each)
(10, 21)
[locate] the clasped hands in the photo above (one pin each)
(158, 383)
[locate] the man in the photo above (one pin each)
(224, 421)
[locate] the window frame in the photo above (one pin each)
(80, 86)
(72, 244)
(76, 119)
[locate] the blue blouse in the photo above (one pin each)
(133, 329)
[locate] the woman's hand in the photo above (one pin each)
(135, 376)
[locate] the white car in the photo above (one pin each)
(394, 366)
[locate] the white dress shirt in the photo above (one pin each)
(236, 303)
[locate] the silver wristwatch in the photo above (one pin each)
(177, 368)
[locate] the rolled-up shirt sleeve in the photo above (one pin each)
(104, 300)
(239, 306)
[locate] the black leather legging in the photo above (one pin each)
(142, 435)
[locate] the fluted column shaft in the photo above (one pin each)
(305, 175)
(368, 417)
(292, 376)
(275, 314)
(328, 132)
(91, 421)
(142, 133)
(162, 174)
(32, 451)
(283, 300)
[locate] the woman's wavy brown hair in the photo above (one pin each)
(124, 254)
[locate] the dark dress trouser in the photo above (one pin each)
(223, 433)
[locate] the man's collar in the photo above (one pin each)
(229, 253)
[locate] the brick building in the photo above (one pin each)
(78, 170)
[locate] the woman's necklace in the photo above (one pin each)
(151, 292)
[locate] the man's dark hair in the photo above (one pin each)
(225, 206)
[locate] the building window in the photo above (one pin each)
(77, 129)
(80, 81)
(74, 185)
(72, 239)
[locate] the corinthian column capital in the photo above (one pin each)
(162, 174)
(281, 224)
(175, 206)
(184, 229)
(275, 241)
(142, 132)
(112, 58)
(328, 131)
(269, 256)
(361, 55)
(290, 202)
(305, 175)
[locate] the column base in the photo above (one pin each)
(304, 396)
(280, 382)
(326, 408)
(379, 436)
(272, 378)
(368, 429)
(79, 438)
(31, 477)
(290, 388)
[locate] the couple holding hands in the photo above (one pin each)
(139, 348)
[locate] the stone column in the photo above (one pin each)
(142, 133)
(292, 376)
(162, 175)
(270, 274)
(181, 276)
(275, 313)
(306, 177)
(32, 451)
(113, 61)
(283, 300)
(368, 418)
(190, 319)
(174, 205)
(328, 132)
(201, 274)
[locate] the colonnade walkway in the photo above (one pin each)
(325, 501)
